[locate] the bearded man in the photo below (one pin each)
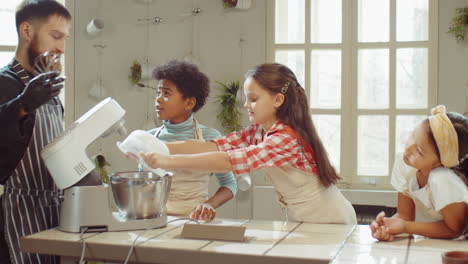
(30, 117)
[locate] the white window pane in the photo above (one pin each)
(6, 57)
(295, 60)
(412, 79)
(373, 145)
(326, 21)
(329, 130)
(404, 127)
(8, 34)
(325, 79)
(373, 78)
(412, 20)
(373, 20)
(290, 21)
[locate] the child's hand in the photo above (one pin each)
(382, 234)
(379, 231)
(378, 222)
(204, 212)
(155, 160)
(395, 225)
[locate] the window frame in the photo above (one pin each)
(7, 48)
(349, 111)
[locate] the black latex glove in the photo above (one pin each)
(40, 90)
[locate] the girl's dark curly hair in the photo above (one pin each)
(190, 81)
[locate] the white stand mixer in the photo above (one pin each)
(89, 208)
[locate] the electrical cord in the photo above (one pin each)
(150, 228)
(83, 247)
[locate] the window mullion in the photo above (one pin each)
(392, 88)
(307, 48)
(348, 130)
(270, 33)
(432, 53)
(7, 48)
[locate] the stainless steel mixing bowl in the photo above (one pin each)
(140, 194)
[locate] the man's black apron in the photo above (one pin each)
(31, 200)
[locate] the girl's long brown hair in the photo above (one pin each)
(295, 112)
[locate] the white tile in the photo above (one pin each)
(257, 242)
(425, 256)
(324, 228)
(271, 225)
(312, 251)
(423, 243)
(368, 254)
(310, 245)
(362, 235)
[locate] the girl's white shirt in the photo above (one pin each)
(443, 187)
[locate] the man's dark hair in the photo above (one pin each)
(39, 10)
(190, 81)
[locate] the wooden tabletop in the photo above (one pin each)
(265, 242)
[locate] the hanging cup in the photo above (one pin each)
(95, 26)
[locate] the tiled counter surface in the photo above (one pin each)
(266, 242)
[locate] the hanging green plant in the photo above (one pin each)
(135, 73)
(229, 3)
(230, 116)
(458, 23)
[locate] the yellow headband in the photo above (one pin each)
(445, 136)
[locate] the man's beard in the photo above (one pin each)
(33, 52)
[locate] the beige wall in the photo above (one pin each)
(453, 61)
(217, 46)
(217, 35)
(216, 43)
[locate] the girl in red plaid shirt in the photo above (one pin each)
(282, 142)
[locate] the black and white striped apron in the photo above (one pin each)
(31, 200)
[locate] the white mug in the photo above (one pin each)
(97, 91)
(95, 26)
(147, 71)
(243, 4)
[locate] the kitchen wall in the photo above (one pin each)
(217, 45)
(453, 61)
(225, 43)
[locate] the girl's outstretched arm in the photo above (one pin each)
(217, 161)
(191, 147)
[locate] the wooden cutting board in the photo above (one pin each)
(213, 232)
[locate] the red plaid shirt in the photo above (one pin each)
(252, 149)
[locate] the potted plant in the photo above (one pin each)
(459, 22)
(230, 115)
(135, 73)
(239, 4)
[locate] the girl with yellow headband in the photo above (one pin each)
(431, 180)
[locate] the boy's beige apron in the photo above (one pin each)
(188, 188)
